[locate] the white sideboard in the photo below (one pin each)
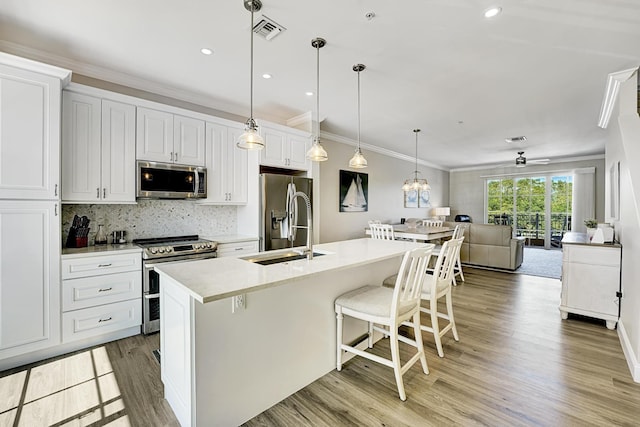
(590, 279)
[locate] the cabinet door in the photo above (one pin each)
(80, 148)
(227, 181)
(154, 135)
(188, 141)
(298, 152)
(118, 152)
(274, 151)
(29, 134)
(216, 168)
(238, 161)
(29, 276)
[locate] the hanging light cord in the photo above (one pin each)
(358, 110)
(415, 172)
(318, 91)
(251, 72)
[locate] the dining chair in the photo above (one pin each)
(458, 233)
(385, 310)
(382, 231)
(432, 223)
(436, 286)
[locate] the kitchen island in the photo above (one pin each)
(221, 367)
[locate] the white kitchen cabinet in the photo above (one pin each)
(101, 293)
(29, 128)
(170, 138)
(98, 150)
(284, 150)
(591, 281)
(30, 276)
(237, 249)
(227, 166)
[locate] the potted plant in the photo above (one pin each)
(591, 225)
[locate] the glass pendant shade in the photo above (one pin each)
(415, 183)
(250, 138)
(358, 161)
(317, 153)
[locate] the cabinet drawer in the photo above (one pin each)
(99, 320)
(592, 255)
(98, 265)
(237, 248)
(91, 291)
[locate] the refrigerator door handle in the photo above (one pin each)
(292, 212)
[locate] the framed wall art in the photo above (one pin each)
(411, 199)
(354, 191)
(424, 199)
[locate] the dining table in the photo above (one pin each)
(418, 233)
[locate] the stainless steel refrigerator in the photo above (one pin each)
(275, 193)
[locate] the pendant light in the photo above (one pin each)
(416, 183)
(317, 153)
(358, 161)
(250, 138)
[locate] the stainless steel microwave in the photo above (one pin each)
(170, 181)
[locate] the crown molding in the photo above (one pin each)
(551, 162)
(611, 94)
(379, 150)
(38, 67)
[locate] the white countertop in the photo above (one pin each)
(100, 250)
(231, 238)
(214, 279)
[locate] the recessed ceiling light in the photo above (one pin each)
(370, 15)
(309, 93)
(206, 51)
(266, 76)
(493, 11)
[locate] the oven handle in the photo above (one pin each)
(152, 296)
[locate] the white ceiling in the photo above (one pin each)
(539, 69)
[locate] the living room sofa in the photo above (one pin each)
(489, 245)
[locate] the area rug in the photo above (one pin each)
(541, 262)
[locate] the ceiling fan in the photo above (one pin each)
(521, 161)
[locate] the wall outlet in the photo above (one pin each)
(238, 303)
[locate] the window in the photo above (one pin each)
(538, 207)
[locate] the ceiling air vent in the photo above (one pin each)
(267, 28)
(516, 139)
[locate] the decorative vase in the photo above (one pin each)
(590, 233)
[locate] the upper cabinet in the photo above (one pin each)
(284, 149)
(169, 138)
(29, 128)
(226, 166)
(98, 150)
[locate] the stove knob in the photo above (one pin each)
(161, 250)
(153, 250)
(169, 249)
(198, 246)
(209, 245)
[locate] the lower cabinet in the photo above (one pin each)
(101, 293)
(237, 249)
(591, 281)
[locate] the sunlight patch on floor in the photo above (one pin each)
(80, 389)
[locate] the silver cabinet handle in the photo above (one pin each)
(104, 193)
(105, 320)
(171, 156)
(55, 210)
(55, 190)
(104, 265)
(104, 289)
(152, 296)
(98, 193)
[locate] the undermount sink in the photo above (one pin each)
(267, 258)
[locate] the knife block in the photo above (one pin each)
(78, 237)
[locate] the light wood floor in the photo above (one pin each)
(516, 364)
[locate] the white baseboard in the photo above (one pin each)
(629, 354)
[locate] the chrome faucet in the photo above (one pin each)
(293, 222)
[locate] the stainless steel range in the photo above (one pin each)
(166, 249)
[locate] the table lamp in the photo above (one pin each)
(442, 213)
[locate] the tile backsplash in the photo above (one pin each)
(153, 218)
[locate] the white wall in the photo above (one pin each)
(622, 146)
(386, 199)
(467, 187)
